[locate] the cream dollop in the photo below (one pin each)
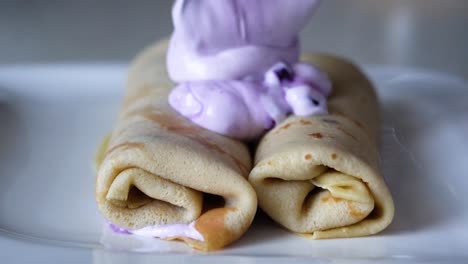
(230, 58)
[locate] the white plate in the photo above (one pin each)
(52, 117)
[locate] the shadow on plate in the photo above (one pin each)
(11, 139)
(13, 157)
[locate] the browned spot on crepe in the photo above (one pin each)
(211, 226)
(316, 135)
(347, 133)
(271, 163)
(330, 198)
(353, 211)
(284, 127)
(334, 156)
(357, 123)
(126, 145)
(305, 122)
(308, 157)
(176, 125)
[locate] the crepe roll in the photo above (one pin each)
(162, 176)
(319, 175)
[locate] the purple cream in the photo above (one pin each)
(246, 109)
(230, 59)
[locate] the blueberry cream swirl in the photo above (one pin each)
(237, 65)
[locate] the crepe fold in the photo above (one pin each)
(319, 175)
(159, 168)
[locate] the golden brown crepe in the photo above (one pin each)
(159, 168)
(319, 175)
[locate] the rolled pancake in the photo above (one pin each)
(319, 175)
(159, 167)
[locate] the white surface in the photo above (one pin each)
(53, 116)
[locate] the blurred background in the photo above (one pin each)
(430, 34)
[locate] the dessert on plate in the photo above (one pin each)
(177, 164)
